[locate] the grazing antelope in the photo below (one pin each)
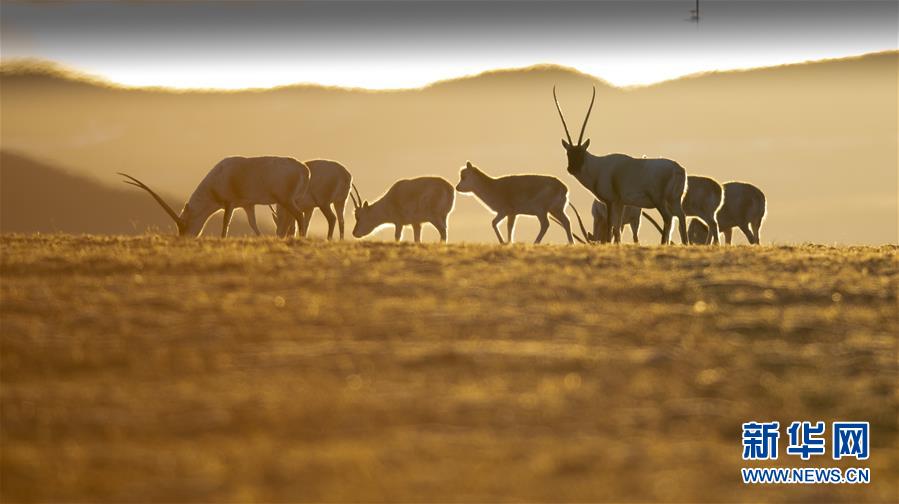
(238, 182)
(619, 180)
(703, 199)
(329, 184)
(407, 202)
(515, 195)
(744, 206)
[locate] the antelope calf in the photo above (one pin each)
(744, 207)
(238, 182)
(407, 202)
(600, 222)
(329, 184)
(600, 212)
(515, 195)
(703, 199)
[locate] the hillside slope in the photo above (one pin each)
(38, 197)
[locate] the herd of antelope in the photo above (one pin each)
(622, 185)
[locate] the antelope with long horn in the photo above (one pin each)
(407, 202)
(514, 195)
(619, 180)
(329, 185)
(238, 182)
(744, 207)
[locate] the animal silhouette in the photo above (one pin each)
(238, 182)
(744, 207)
(514, 195)
(619, 180)
(408, 202)
(329, 185)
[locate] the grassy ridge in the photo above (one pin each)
(154, 368)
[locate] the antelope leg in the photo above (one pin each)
(495, 223)
(544, 225)
(330, 217)
(441, 228)
(251, 218)
(226, 219)
(728, 235)
(510, 226)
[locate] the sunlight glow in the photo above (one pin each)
(623, 71)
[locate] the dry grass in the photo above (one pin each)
(158, 369)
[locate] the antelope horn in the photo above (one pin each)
(137, 183)
(584, 127)
(357, 201)
(580, 223)
(557, 221)
(562, 117)
(654, 223)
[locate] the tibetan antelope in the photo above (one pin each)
(703, 199)
(238, 182)
(619, 180)
(601, 217)
(407, 202)
(329, 184)
(744, 207)
(514, 195)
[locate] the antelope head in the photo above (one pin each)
(576, 153)
(182, 220)
(365, 222)
(466, 178)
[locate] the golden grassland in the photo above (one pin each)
(159, 369)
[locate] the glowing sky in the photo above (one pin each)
(380, 45)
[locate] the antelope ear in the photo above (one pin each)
(468, 164)
(587, 143)
(566, 144)
(365, 204)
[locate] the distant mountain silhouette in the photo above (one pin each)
(38, 197)
(819, 138)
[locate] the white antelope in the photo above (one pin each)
(619, 180)
(238, 182)
(407, 202)
(514, 195)
(744, 207)
(329, 185)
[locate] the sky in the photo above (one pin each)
(379, 45)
